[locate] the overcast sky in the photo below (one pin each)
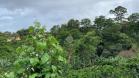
(17, 14)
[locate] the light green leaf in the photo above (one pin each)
(33, 76)
(45, 58)
(60, 58)
(41, 45)
(48, 75)
(54, 68)
(34, 61)
(21, 70)
(10, 75)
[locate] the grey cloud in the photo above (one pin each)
(21, 13)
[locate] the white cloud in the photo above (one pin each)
(6, 18)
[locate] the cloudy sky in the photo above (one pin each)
(17, 14)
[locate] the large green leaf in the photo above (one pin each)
(45, 58)
(33, 76)
(40, 45)
(34, 61)
(54, 68)
(10, 75)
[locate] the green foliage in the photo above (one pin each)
(117, 67)
(86, 50)
(76, 49)
(102, 23)
(41, 57)
(134, 17)
(119, 12)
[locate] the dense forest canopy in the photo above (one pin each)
(100, 48)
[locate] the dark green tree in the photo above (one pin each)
(133, 17)
(73, 24)
(119, 12)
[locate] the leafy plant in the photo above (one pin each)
(42, 57)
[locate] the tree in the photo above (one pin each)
(134, 17)
(85, 25)
(86, 49)
(119, 12)
(69, 46)
(102, 23)
(42, 57)
(73, 24)
(55, 30)
(23, 32)
(86, 22)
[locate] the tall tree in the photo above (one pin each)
(86, 25)
(69, 46)
(101, 23)
(73, 24)
(134, 17)
(55, 30)
(86, 49)
(119, 12)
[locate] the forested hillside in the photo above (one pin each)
(101, 48)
